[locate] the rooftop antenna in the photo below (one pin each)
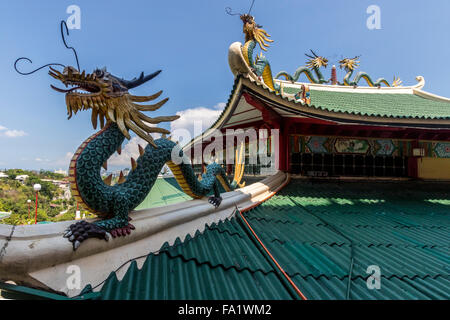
(62, 25)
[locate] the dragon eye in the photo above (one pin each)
(99, 73)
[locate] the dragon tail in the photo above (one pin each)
(268, 78)
(284, 74)
(365, 76)
(297, 75)
(239, 168)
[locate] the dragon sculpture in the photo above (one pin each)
(261, 67)
(255, 35)
(313, 64)
(118, 112)
(349, 65)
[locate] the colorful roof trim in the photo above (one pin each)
(382, 104)
(396, 106)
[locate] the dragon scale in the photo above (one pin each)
(115, 202)
(350, 64)
(303, 70)
(119, 112)
(261, 66)
(365, 76)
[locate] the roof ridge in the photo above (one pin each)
(419, 85)
(291, 99)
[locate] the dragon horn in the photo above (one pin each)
(137, 82)
(315, 55)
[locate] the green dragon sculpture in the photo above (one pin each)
(255, 35)
(261, 67)
(117, 111)
(314, 64)
(349, 65)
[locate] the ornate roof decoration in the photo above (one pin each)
(350, 64)
(259, 69)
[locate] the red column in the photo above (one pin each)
(35, 217)
(413, 169)
(284, 128)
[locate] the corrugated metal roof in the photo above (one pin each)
(310, 228)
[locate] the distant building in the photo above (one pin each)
(4, 215)
(22, 178)
(61, 171)
(3, 175)
(67, 194)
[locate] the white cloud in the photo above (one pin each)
(15, 133)
(4, 131)
(201, 116)
(129, 150)
(64, 161)
(196, 120)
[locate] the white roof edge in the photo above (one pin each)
(430, 96)
(365, 89)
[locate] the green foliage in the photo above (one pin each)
(14, 196)
(44, 174)
(47, 188)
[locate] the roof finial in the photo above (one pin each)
(333, 75)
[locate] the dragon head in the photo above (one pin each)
(316, 61)
(253, 31)
(349, 64)
(108, 98)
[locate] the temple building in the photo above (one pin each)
(354, 202)
(342, 130)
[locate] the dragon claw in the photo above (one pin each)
(80, 231)
(123, 231)
(76, 244)
(215, 201)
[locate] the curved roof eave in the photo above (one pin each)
(246, 78)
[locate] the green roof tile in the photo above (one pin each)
(380, 104)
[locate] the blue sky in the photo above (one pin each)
(189, 40)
